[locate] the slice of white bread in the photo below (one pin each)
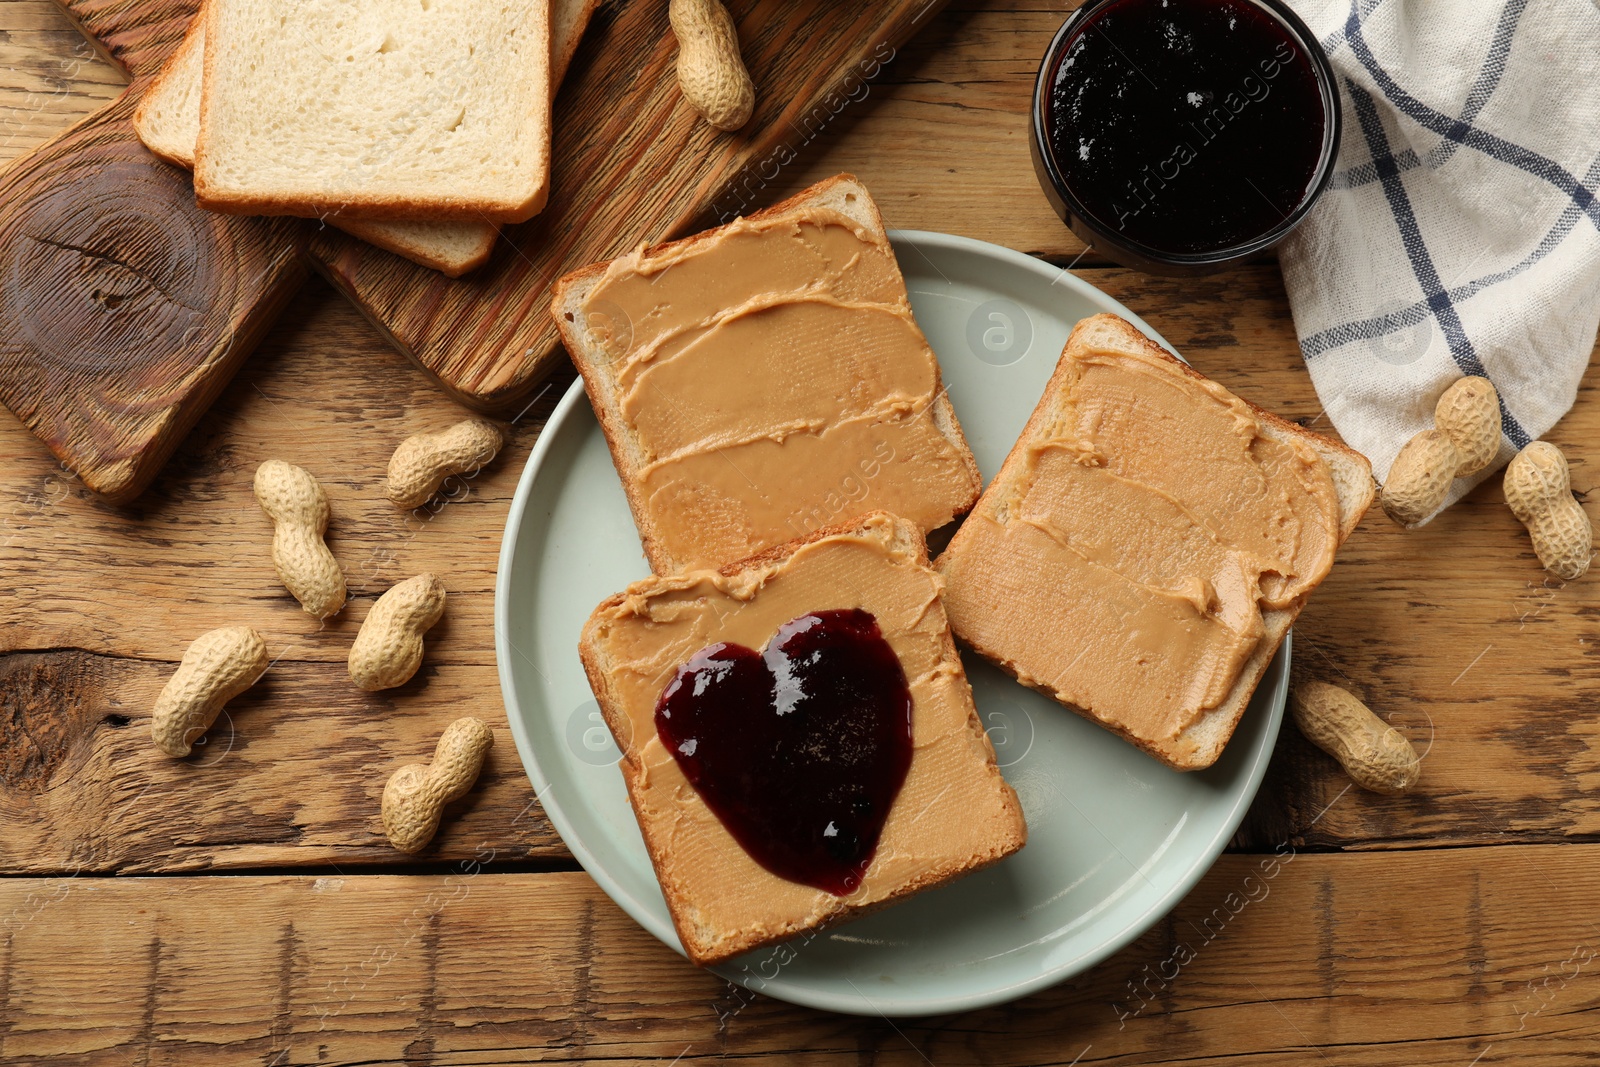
(387, 110)
(954, 813)
(167, 120)
(842, 196)
(973, 583)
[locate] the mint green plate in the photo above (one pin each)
(1115, 839)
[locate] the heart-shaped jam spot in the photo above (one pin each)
(800, 749)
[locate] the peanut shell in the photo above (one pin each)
(1374, 754)
(1469, 413)
(423, 461)
(388, 649)
(415, 795)
(1538, 487)
(218, 666)
(299, 509)
(1420, 477)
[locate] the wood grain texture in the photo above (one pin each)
(941, 136)
(1278, 960)
(54, 76)
(293, 769)
(124, 309)
(292, 774)
(1404, 613)
(632, 162)
(135, 35)
(1372, 946)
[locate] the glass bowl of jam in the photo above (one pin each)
(1179, 136)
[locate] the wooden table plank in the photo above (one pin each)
(54, 76)
(1269, 957)
(102, 602)
(947, 118)
(324, 391)
(1379, 953)
(291, 775)
(114, 595)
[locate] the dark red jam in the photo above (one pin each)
(801, 749)
(1186, 126)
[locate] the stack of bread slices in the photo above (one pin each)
(417, 125)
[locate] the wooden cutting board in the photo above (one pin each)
(124, 309)
(632, 162)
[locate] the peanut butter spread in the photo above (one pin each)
(953, 813)
(773, 382)
(1124, 557)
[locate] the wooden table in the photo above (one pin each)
(243, 906)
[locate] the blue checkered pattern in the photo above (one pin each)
(1461, 234)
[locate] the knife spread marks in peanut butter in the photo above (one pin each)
(1151, 520)
(758, 368)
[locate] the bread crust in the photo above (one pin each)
(593, 271)
(565, 303)
(374, 208)
(359, 205)
(563, 46)
(1202, 743)
(162, 84)
(705, 951)
(384, 235)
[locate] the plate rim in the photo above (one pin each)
(809, 996)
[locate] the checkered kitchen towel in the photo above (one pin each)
(1461, 231)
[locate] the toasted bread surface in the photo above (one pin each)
(1198, 745)
(955, 813)
(841, 196)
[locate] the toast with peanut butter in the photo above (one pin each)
(1148, 543)
(765, 379)
(948, 813)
